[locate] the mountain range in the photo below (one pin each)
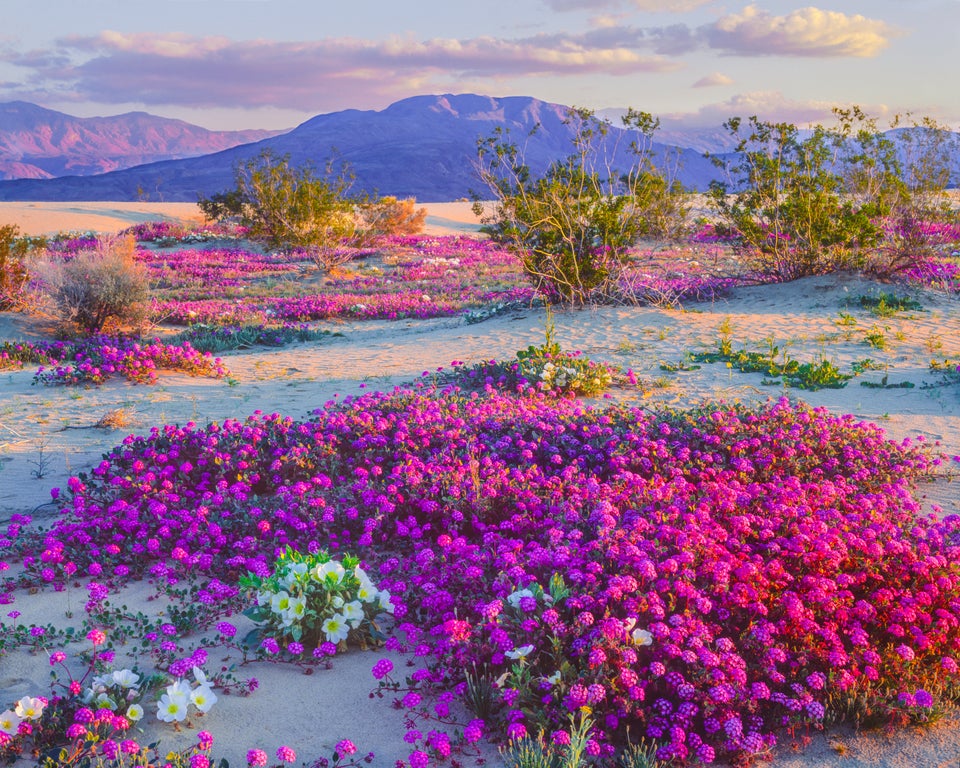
(38, 143)
(423, 147)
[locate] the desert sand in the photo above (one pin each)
(53, 429)
(107, 218)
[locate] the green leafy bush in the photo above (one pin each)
(285, 206)
(790, 204)
(573, 227)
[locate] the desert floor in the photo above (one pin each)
(49, 434)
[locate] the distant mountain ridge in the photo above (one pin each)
(423, 146)
(39, 143)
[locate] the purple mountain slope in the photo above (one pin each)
(40, 143)
(424, 146)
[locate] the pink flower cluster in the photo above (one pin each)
(703, 579)
(96, 359)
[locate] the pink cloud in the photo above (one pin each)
(114, 67)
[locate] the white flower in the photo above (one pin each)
(519, 653)
(264, 597)
(514, 597)
(298, 607)
(125, 678)
(9, 722)
(280, 602)
(200, 676)
(336, 628)
(353, 613)
(553, 679)
(29, 708)
(179, 691)
(104, 701)
(171, 708)
(134, 713)
(293, 574)
(383, 597)
(330, 572)
(203, 698)
(642, 637)
(366, 592)
(337, 602)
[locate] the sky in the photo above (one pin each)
(231, 64)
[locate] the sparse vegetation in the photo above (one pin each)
(101, 285)
(13, 269)
(573, 227)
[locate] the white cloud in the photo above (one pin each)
(767, 105)
(804, 32)
(713, 79)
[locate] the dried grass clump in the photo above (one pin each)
(117, 418)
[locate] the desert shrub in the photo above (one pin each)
(13, 271)
(922, 211)
(573, 226)
(287, 207)
(99, 285)
(387, 216)
(789, 206)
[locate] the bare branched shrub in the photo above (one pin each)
(105, 284)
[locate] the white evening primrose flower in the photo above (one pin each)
(294, 574)
(179, 690)
(29, 708)
(200, 676)
(298, 607)
(203, 698)
(514, 597)
(336, 628)
(519, 653)
(125, 678)
(386, 603)
(366, 592)
(9, 722)
(104, 701)
(134, 713)
(171, 708)
(642, 637)
(264, 597)
(280, 602)
(353, 613)
(330, 572)
(552, 679)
